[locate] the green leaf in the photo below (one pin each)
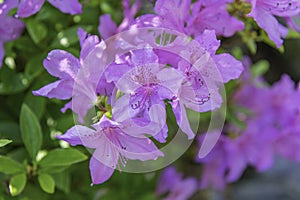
(17, 184)
(62, 157)
(4, 142)
(9, 166)
(63, 181)
(36, 30)
(260, 68)
(47, 183)
(52, 170)
(30, 131)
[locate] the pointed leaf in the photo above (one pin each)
(17, 184)
(4, 142)
(62, 157)
(47, 183)
(9, 166)
(30, 131)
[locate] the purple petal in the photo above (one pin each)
(270, 24)
(183, 190)
(171, 79)
(81, 135)
(209, 41)
(182, 119)
(107, 153)
(136, 148)
(27, 8)
(145, 56)
(168, 179)
(229, 68)
(72, 7)
(6, 6)
(107, 27)
(62, 64)
(59, 89)
(87, 43)
(173, 12)
(99, 172)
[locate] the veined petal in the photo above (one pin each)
(60, 89)
(62, 64)
(67, 6)
(81, 135)
(107, 153)
(27, 8)
(136, 148)
(99, 172)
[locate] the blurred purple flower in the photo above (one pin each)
(27, 8)
(107, 27)
(113, 147)
(10, 28)
(176, 187)
(271, 129)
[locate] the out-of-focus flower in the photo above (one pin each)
(175, 186)
(271, 128)
(107, 27)
(27, 8)
(10, 28)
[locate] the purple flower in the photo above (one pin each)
(65, 67)
(113, 147)
(212, 15)
(203, 71)
(10, 28)
(176, 187)
(144, 84)
(264, 12)
(176, 15)
(27, 8)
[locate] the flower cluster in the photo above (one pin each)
(138, 69)
(264, 130)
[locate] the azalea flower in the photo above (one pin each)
(65, 66)
(264, 12)
(144, 84)
(113, 146)
(27, 8)
(213, 15)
